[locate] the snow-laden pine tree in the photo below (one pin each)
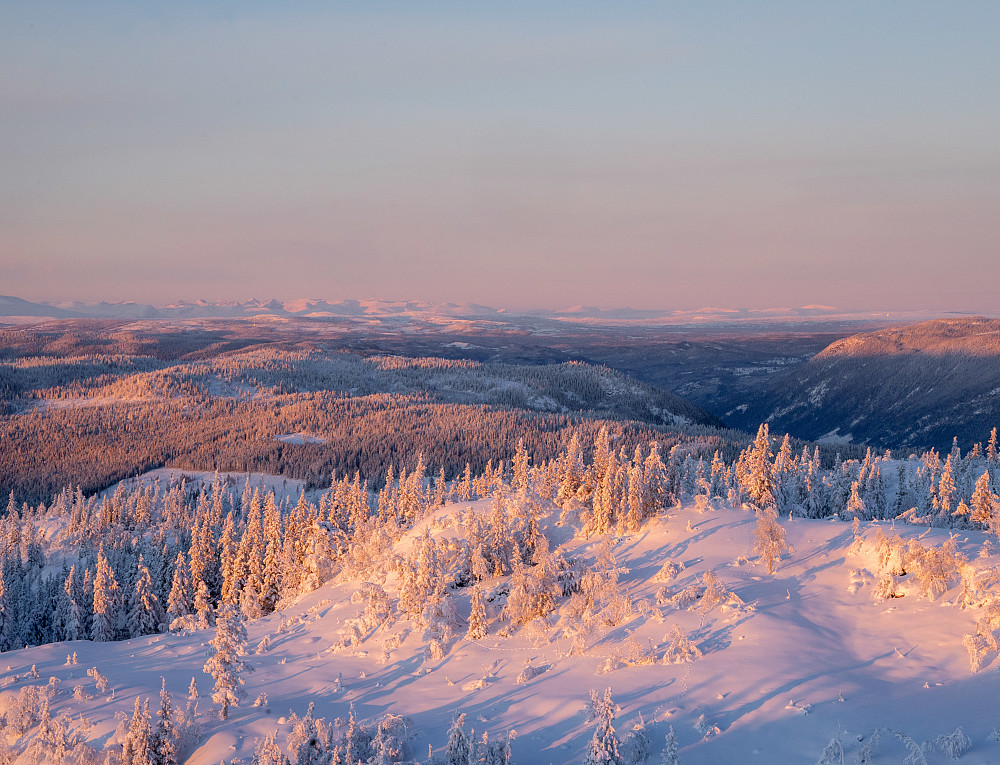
(107, 602)
(319, 555)
(943, 499)
(203, 554)
(181, 594)
(669, 756)
(754, 469)
(165, 739)
(855, 505)
(603, 746)
(73, 620)
(478, 622)
(226, 666)
(270, 589)
(636, 746)
(769, 537)
(833, 753)
(229, 567)
(267, 751)
(145, 612)
(459, 749)
(305, 745)
(985, 505)
(497, 752)
(136, 746)
(203, 606)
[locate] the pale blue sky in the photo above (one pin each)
(655, 155)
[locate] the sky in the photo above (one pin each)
(519, 154)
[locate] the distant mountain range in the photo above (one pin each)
(15, 306)
(414, 309)
(910, 386)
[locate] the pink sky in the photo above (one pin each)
(654, 158)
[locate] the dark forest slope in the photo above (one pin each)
(917, 385)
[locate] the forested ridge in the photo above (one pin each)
(89, 420)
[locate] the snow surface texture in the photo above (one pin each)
(795, 660)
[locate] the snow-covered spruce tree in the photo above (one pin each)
(832, 754)
(73, 620)
(145, 615)
(319, 555)
(855, 505)
(478, 623)
(636, 746)
(165, 739)
(459, 749)
(203, 554)
(681, 649)
(267, 751)
(305, 744)
(496, 752)
(181, 594)
(229, 566)
(203, 607)
(136, 746)
(769, 537)
(754, 469)
(603, 746)
(985, 507)
(226, 666)
(107, 602)
(953, 745)
(669, 756)
(944, 498)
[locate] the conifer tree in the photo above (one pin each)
(669, 756)
(229, 567)
(107, 602)
(478, 628)
(226, 666)
(267, 751)
(179, 600)
(145, 615)
(465, 484)
(656, 482)
(165, 738)
(8, 614)
(202, 553)
(203, 607)
(459, 749)
(985, 505)
(270, 589)
(855, 505)
(755, 472)
(136, 747)
(769, 537)
(73, 620)
(304, 742)
(945, 490)
(603, 747)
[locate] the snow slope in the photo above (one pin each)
(807, 657)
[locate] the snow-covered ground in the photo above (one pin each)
(808, 656)
(194, 480)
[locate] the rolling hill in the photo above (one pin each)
(912, 386)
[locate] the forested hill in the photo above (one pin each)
(918, 385)
(304, 412)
